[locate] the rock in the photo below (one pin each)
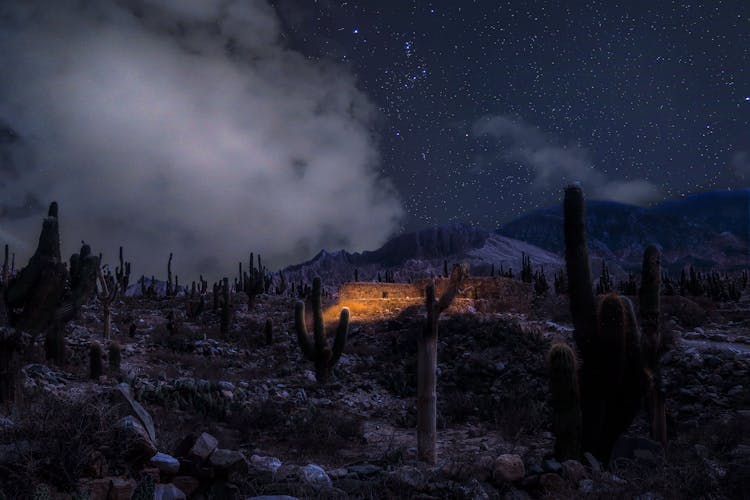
(121, 489)
(365, 470)
(123, 396)
(314, 475)
(166, 463)
(409, 476)
(168, 492)
(337, 474)
(515, 494)
(186, 484)
(135, 439)
(573, 471)
(509, 468)
(265, 464)
(226, 459)
(204, 446)
(586, 486)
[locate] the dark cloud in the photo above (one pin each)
(555, 165)
(185, 126)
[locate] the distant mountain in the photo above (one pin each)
(422, 253)
(707, 230)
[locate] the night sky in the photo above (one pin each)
(213, 128)
(656, 93)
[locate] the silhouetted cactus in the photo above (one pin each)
(34, 294)
(316, 349)
(226, 308)
(607, 339)
(427, 363)
(115, 356)
(107, 297)
(122, 272)
(652, 342)
(95, 361)
(566, 402)
(170, 290)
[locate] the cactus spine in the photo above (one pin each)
(566, 402)
(317, 349)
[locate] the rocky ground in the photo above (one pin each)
(192, 413)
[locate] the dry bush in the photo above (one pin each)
(64, 437)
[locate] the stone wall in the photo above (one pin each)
(484, 294)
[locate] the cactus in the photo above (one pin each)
(608, 340)
(5, 274)
(107, 297)
(115, 356)
(427, 364)
(651, 340)
(95, 361)
(170, 290)
(122, 272)
(226, 308)
(34, 294)
(317, 349)
(566, 402)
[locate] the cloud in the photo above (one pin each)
(741, 164)
(183, 126)
(553, 165)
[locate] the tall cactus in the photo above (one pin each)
(170, 290)
(427, 364)
(316, 349)
(9, 344)
(38, 288)
(226, 308)
(651, 341)
(612, 376)
(566, 402)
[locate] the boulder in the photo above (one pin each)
(168, 492)
(135, 439)
(186, 484)
(122, 396)
(165, 463)
(121, 489)
(509, 468)
(204, 446)
(226, 459)
(315, 476)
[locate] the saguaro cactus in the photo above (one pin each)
(9, 343)
(427, 364)
(316, 349)
(566, 402)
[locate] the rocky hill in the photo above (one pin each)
(707, 230)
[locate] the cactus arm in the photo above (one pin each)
(582, 306)
(340, 340)
(303, 339)
(458, 274)
(319, 332)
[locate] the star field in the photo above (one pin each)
(653, 95)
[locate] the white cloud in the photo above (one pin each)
(185, 126)
(554, 165)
